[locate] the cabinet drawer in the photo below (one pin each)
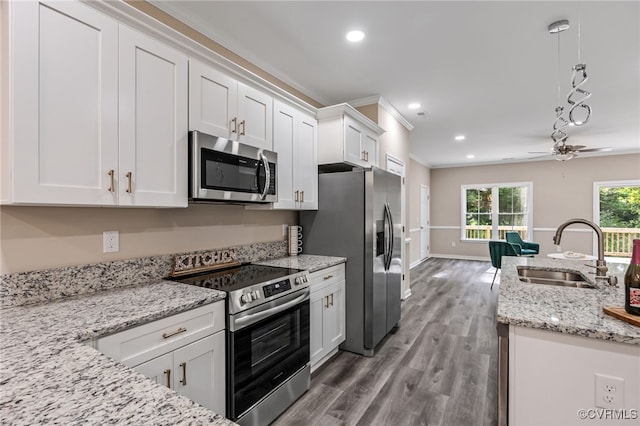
(326, 277)
(139, 344)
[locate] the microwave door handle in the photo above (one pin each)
(267, 176)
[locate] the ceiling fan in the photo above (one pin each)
(561, 151)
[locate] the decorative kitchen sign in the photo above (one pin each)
(204, 261)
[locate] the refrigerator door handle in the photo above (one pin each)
(389, 232)
(393, 236)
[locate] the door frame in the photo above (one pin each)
(424, 227)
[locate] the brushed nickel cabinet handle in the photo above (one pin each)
(326, 300)
(173, 333)
(302, 196)
(168, 373)
(235, 125)
(362, 157)
(297, 196)
(111, 181)
(326, 277)
(331, 299)
(129, 176)
(366, 156)
(242, 123)
(184, 373)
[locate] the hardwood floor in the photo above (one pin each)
(439, 368)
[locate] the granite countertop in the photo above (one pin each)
(308, 262)
(575, 311)
(47, 375)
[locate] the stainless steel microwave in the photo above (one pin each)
(225, 170)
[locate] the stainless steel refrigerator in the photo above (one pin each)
(358, 217)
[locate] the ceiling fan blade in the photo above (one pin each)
(575, 147)
(606, 148)
(541, 152)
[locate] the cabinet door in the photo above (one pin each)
(255, 117)
(153, 123)
(317, 306)
(284, 134)
(307, 164)
(353, 145)
(65, 84)
(159, 369)
(370, 147)
(200, 372)
(213, 101)
(334, 320)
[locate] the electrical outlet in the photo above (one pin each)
(110, 241)
(453, 243)
(609, 391)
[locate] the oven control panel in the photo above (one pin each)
(276, 288)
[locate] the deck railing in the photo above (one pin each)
(618, 242)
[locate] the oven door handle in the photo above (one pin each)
(246, 319)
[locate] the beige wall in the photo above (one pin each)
(34, 238)
(561, 190)
(418, 175)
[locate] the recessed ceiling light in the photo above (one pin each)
(460, 137)
(355, 36)
(471, 156)
(414, 105)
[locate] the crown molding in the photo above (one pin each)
(377, 99)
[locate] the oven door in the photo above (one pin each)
(267, 345)
(226, 170)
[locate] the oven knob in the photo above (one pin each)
(298, 280)
(246, 298)
(255, 295)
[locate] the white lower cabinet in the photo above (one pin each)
(195, 371)
(185, 352)
(327, 313)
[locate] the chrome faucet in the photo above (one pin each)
(601, 264)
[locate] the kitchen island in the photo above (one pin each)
(49, 374)
(563, 350)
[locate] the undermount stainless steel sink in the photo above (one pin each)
(556, 277)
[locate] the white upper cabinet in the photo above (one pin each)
(295, 141)
(64, 94)
(347, 136)
(222, 106)
(99, 111)
(153, 123)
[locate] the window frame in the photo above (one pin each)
(495, 204)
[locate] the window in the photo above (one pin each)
(488, 211)
(617, 211)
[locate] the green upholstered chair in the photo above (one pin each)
(528, 248)
(497, 249)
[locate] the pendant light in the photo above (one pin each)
(577, 95)
(558, 135)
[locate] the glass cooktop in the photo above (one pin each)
(237, 278)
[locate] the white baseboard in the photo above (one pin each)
(407, 294)
(417, 262)
(460, 257)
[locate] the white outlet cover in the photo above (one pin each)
(110, 241)
(609, 391)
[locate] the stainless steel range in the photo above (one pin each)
(267, 338)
